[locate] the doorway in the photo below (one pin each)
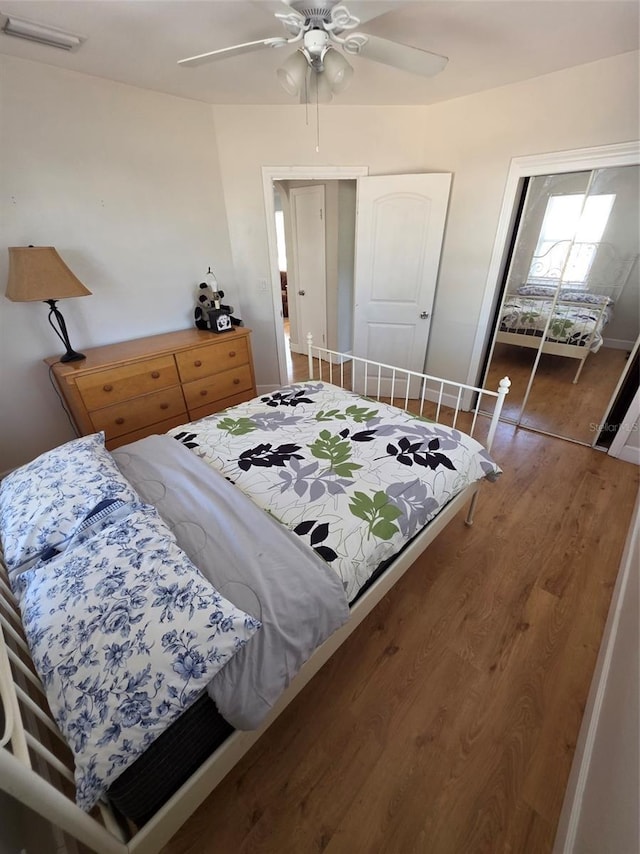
(398, 238)
(272, 180)
(315, 226)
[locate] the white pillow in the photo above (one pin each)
(125, 633)
(42, 502)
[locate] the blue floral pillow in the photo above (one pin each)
(42, 502)
(125, 633)
(533, 290)
(586, 297)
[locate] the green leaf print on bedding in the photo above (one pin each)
(359, 414)
(377, 512)
(560, 327)
(337, 451)
(237, 426)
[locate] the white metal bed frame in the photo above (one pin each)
(32, 771)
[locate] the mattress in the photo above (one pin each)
(154, 777)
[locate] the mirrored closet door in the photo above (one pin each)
(569, 315)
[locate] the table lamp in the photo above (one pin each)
(39, 273)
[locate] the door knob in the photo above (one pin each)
(301, 293)
(424, 315)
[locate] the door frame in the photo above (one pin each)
(292, 173)
(551, 163)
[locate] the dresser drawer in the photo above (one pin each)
(212, 359)
(105, 388)
(154, 429)
(141, 412)
(217, 386)
(219, 405)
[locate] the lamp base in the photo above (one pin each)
(56, 320)
(72, 356)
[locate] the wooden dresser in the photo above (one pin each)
(149, 385)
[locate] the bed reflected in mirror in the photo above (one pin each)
(569, 316)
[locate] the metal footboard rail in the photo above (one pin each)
(372, 382)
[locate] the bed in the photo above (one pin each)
(161, 604)
(556, 315)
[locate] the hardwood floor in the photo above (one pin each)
(447, 723)
(555, 404)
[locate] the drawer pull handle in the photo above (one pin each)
(198, 363)
(164, 406)
(203, 392)
(119, 420)
(155, 374)
(232, 353)
(236, 381)
(107, 387)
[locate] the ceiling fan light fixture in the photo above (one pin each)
(292, 73)
(318, 89)
(337, 71)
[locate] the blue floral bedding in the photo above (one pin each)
(353, 478)
(125, 633)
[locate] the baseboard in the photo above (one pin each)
(630, 455)
(618, 344)
(334, 358)
(266, 389)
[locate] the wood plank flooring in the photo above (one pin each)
(555, 404)
(447, 723)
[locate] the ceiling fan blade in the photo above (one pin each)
(235, 50)
(402, 56)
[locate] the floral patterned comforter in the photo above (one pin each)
(355, 479)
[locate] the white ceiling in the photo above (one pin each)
(489, 43)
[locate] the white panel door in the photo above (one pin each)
(400, 225)
(309, 291)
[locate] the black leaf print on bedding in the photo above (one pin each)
(186, 439)
(286, 398)
(360, 436)
(266, 456)
(304, 527)
(320, 534)
(364, 436)
(317, 537)
(407, 453)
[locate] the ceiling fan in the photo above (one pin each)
(318, 28)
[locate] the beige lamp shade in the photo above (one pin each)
(39, 273)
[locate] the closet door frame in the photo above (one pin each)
(577, 160)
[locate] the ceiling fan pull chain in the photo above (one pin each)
(317, 122)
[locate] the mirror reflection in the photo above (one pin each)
(569, 316)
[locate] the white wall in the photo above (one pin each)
(125, 184)
(473, 137)
(135, 189)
